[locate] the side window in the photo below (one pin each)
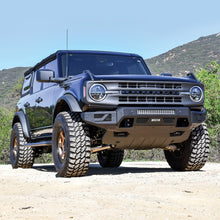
(37, 86)
(51, 66)
(26, 84)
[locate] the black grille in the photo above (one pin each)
(150, 85)
(149, 92)
(150, 99)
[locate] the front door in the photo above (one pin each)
(43, 110)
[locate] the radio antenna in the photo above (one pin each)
(67, 53)
(66, 39)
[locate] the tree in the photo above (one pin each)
(210, 77)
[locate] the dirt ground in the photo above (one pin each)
(136, 190)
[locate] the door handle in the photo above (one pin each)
(38, 100)
(27, 104)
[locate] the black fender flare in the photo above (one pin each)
(71, 101)
(20, 117)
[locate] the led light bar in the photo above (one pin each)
(156, 112)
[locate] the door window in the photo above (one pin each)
(26, 85)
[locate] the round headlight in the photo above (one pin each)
(196, 94)
(97, 92)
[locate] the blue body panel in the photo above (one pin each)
(145, 78)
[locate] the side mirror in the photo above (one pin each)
(44, 75)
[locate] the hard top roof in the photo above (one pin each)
(54, 55)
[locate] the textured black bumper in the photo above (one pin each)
(145, 128)
(179, 117)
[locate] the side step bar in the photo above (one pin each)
(39, 144)
(49, 144)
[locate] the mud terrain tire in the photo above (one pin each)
(193, 153)
(20, 155)
(110, 158)
(70, 145)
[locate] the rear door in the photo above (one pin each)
(27, 102)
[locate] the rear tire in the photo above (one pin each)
(193, 153)
(20, 155)
(70, 145)
(110, 158)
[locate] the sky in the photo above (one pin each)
(32, 30)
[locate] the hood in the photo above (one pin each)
(145, 78)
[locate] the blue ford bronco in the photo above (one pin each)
(75, 103)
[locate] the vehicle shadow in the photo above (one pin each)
(44, 167)
(96, 169)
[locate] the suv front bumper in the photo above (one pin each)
(146, 116)
(145, 127)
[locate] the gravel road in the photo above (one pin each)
(136, 190)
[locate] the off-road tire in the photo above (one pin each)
(20, 155)
(76, 145)
(110, 158)
(193, 153)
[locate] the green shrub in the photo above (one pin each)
(211, 80)
(5, 128)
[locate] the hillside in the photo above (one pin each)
(188, 57)
(178, 61)
(8, 79)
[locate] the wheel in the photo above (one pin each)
(110, 158)
(20, 155)
(191, 154)
(70, 145)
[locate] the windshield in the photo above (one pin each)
(102, 64)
